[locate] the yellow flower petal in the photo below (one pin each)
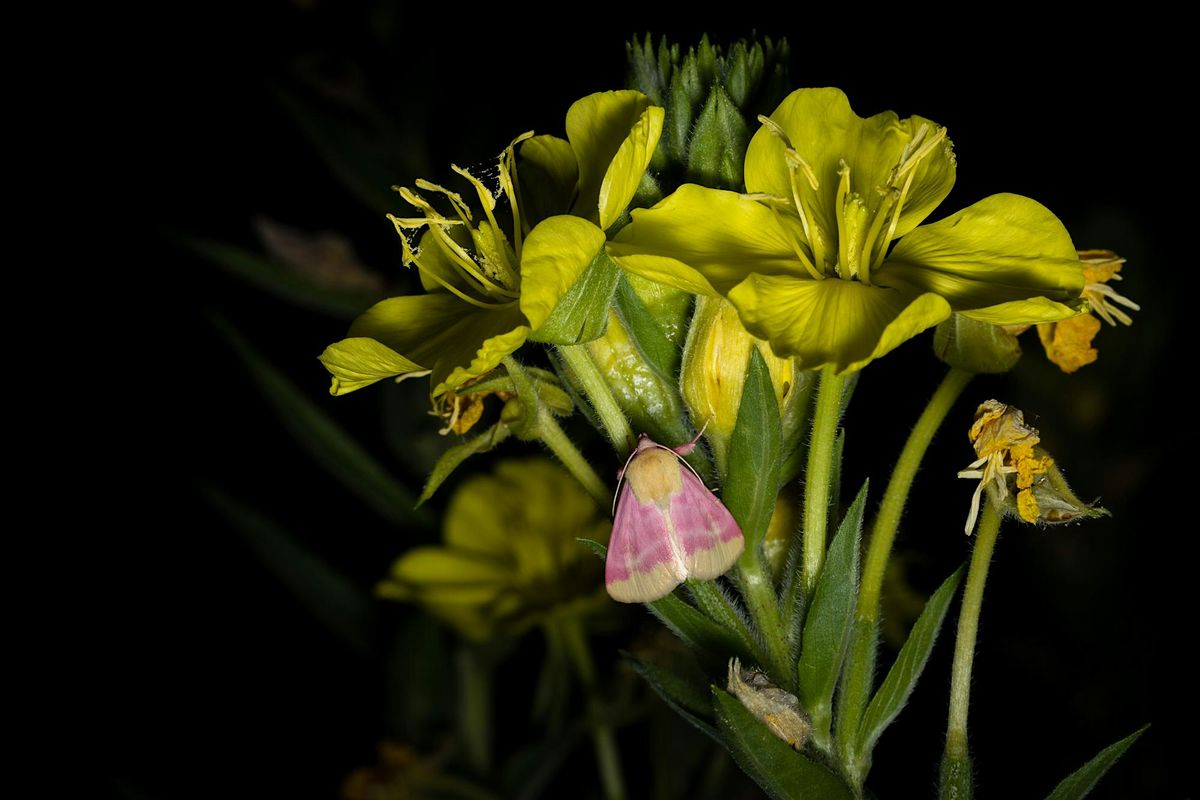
(844, 323)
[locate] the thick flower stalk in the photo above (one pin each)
(825, 256)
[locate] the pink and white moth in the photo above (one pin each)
(667, 526)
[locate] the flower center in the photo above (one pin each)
(484, 264)
(865, 226)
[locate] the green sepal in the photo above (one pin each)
(1080, 783)
(455, 456)
(780, 771)
(644, 329)
(755, 456)
(582, 313)
(977, 347)
(902, 678)
(827, 625)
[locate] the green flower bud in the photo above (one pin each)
(712, 98)
(974, 346)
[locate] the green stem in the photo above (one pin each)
(758, 590)
(860, 657)
(818, 476)
(968, 626)
(608, 758)
(475, 708)
(887, 522)
(595, 388)
(552, 434)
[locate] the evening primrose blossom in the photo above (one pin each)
(510, 557)
(492, 283)
(807, 256)
(1005, 447)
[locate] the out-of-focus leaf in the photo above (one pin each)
(902, 677)
(783, 773)
(331, 446)
(343, 607)
(279, 280)
(527, 773)
(687, 700)
(420, 687)
(360, 146)
(1080, 783)
(828, 622)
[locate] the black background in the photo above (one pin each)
(222, 683)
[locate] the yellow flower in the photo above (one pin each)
(510, 557)
(1005, 446)
(1068, 342)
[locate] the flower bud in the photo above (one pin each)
(978, 347)
(715, 359)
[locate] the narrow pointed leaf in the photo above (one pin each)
(1081, 782)
(779, 770)
(903, 675)
(343, 607)
(645, 331)
(755, 454)
(324, 439)
(455, 456)
(827, 626)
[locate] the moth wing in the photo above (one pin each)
(707, 534)
(642, 563)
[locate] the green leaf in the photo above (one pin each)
(782, 773)
(582, 312)
(694, 628)
(324, 440)
(827, 626)
(755, 455)
(1079, 783)
(276, 279)
(659, 351)
(686, 699)
(455, 456)
(903, 675)
(330, 596)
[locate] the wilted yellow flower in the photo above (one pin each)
(1068, 342)
(1005, 447)
(510, 557)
